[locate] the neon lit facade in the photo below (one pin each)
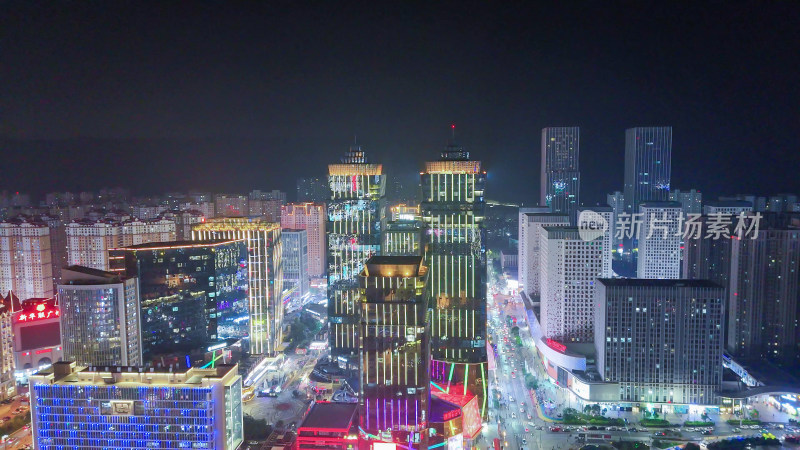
(454, 248)
(355, 218)
(36, 329)
(394, 349)
(133, 407)
(192, 293)
(264, 271)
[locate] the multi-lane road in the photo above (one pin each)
(519, 424)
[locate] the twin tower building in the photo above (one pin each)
(412, 319)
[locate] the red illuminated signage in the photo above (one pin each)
(42, 312)
(556, 345)
(452, 414)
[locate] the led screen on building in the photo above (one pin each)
(38, 336)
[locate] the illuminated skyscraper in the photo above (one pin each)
(560, 178)
(569, 268)
(356, 213)
(648, 165)
(192, 293)
(99, 317)
(265, 275)
(454, 249)
(395, 349)
(402, 234)
(659, 241)
(530, 241)
(310, 217)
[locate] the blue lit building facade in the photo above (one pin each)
(356, 212)
(133, 407)
(192, 293)
(454, 250)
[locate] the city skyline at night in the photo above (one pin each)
(399, 225)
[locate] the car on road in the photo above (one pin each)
(524, 441)
(660, 433)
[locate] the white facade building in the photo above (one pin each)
(659, 241)
(732, 208)
(569, 268)
(88, 241)
(530, 232)
(26, 259)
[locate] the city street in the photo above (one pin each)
(511, 423)
(285, 407)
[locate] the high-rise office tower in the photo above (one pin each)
(264, 275)
(356, 212)
(661, 340)
(616, 201)
(403, 233)
(764, 293)
(394, 347)
(295, 264)
(136, 407)
(659, 241)
(192, 293)
(560, 177)
(100, 323)
(315, 190)
(570, 267)
(691, 201)
(648, 165)
(454, 246)
(310, 217)
(530, 241)
(25, 259)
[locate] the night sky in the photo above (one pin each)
(234, 97)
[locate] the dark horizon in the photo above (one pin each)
(167, 97)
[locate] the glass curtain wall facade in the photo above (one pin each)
(454, 251)
(356, 212)
(394, 349)
(99, 317)
(648, 165)
(264, 272)
(192, 293)
(560, 177)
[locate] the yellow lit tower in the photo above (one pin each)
(355, 220)
(454, 249)
(265, 275)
